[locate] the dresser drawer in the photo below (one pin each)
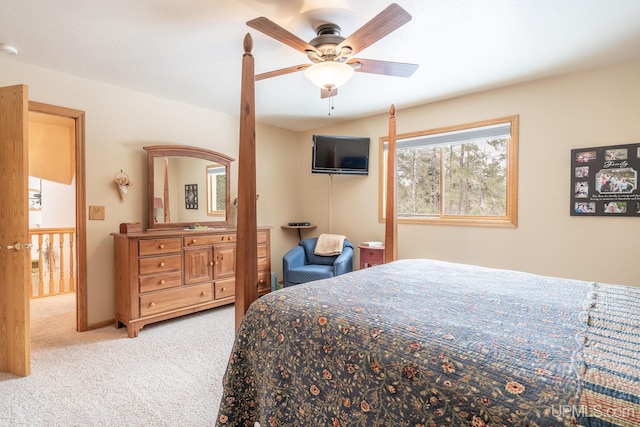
(172, 299)
(262, 237)
(264, 282)
(159, 246)
(209, 240)
(156, 282)
(262, 251)
(225, 288)
(263, 264)
(159, 264)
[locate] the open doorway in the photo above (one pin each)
(57, 181)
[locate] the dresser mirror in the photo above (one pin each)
(188, 187)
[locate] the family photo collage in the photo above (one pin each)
(604, 181)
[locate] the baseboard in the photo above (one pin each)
(102, 324)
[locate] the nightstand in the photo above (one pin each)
(371, 255)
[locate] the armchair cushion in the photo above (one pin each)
(301, 265)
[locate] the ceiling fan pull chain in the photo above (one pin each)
(331, 106)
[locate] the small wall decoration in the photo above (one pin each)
(604, 181)
(191, 196)
(122, 183)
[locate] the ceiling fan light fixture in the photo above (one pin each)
(330, 74)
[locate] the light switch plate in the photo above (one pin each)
(96, 213)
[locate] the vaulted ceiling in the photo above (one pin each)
(190, 50)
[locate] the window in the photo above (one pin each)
(458, 175)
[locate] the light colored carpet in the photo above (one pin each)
(170, 375)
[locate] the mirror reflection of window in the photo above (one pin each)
(216, 186)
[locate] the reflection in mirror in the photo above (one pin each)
(187, 186)
(216, 190)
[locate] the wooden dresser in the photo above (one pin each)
(164, 274)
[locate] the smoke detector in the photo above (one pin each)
(8, 49)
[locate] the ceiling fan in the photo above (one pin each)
(332, 55)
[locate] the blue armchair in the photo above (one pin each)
(301, 265)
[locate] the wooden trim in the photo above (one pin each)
(512, 176)
(100, 324)
(246, 246)
(165, 151)
(81, 206)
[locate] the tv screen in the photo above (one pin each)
(340, 155)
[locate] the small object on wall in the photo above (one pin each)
(191, 196)
(123, 183)
(96, 213)
(130, 227)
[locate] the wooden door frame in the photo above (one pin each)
(82, 323)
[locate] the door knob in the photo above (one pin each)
(17, 246)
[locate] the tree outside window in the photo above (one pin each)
(463, 174)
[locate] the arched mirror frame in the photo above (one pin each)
(156, 151)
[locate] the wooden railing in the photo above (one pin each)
(52, 261)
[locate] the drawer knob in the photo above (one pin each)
(222, 289)
(162, 264)
(211, 263)
(261, 282)
(203, 293)
(193, 241)
(152, 304)
(162, 282)
(161, 246)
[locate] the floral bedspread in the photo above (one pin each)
(429, 343)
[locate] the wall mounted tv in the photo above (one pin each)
(340, 155)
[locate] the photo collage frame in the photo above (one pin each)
(604, 181)
(191, 196)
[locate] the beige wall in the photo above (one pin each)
(119, 123)
(595, 108)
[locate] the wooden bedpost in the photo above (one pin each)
(247, 243)
(391, 221)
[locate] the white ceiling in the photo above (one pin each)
(191, 50)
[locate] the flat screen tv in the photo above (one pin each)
(340, 155)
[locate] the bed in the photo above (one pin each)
(425, 342)
(430, 343)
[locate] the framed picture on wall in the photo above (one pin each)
(191, 196)
(604, 181)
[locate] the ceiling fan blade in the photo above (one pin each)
(276, 73)
(326, 93)
(273, 30)
(387, 68)
(379, 26)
